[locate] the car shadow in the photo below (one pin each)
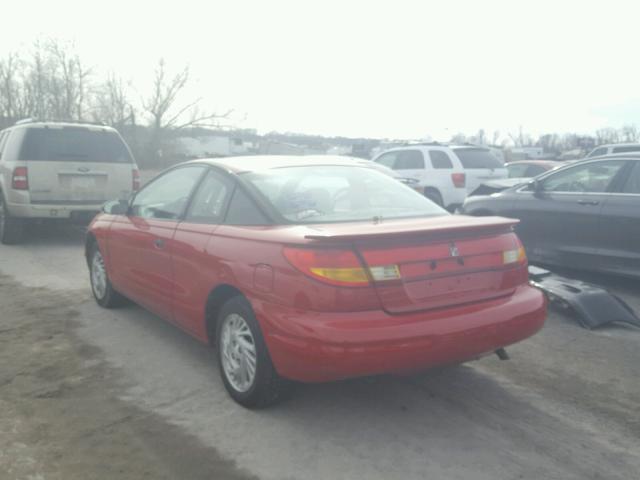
(53, 234)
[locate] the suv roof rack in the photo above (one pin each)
(25, 121)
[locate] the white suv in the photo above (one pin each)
(444, 173)
(612, 148)
(61, 171)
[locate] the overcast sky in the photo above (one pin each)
(397, 69)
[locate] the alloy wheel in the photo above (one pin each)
(98, 275)
(238, 352)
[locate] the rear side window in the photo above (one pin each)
(627, 149)
(633, 182)
(207, 205)
(243, 210)
(409, 160)
(440, 159)
(477, 158)
(74, 144)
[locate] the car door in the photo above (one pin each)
(620, 224)
(193, 266)
(559, 217)
(141, 242)
(410, 164)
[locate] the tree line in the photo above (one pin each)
(52, 82)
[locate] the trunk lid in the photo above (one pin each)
(78, 182)
(440, 262)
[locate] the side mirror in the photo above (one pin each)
(116, 207)
(536, 186)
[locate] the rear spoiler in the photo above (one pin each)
(435, 227)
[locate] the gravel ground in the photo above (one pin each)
(88, 393)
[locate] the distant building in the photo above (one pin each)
(527, 153)
(210, 146)
(274, 147)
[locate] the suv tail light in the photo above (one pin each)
(459, 180)
(20, 179)
(338, 266)
(135, 175)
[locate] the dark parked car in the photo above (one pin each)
(585, 215)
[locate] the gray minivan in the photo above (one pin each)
(60, 170)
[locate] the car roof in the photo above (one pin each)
(91, 126)
(627, 144)
(551, 163)
(252, 163)
(617, 156)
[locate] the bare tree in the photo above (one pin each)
(607, 135)
(11, 88)
(630, 133)
(68, 82)
(111, 103)
(167, 112)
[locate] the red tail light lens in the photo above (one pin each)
(459, 180)
(339, 267)
(136, 179)
(20, 179)
(333, 266)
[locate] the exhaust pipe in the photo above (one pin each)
(502, 354)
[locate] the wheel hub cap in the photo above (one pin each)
(98, 276)
(238, 352)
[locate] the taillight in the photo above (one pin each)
(20, 179)
(516, 255)
(135, 173)
(459, 180)
(338, 266)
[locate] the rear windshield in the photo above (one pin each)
(325, 194)
(478, 158)
(74, 144)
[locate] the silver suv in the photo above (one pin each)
(60, 170)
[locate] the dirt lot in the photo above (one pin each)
(60, 416)
(88, 393)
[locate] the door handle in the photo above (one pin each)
(158, 243)
(588, 202)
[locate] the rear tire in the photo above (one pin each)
(245, 365)
(104, 293)
(11, 228)
(434, 195)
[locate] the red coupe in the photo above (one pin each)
(312, 269)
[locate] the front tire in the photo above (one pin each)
(11, 228)
(104, 293)
(245, 365)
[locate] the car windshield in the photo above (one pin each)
(76, 144)
(321, 194)
(478, 158)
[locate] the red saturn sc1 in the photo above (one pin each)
(312, 269)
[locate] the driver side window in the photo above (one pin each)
(590, 178)
(166, 197)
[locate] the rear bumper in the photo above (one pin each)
(29, 210)
(314, 347)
